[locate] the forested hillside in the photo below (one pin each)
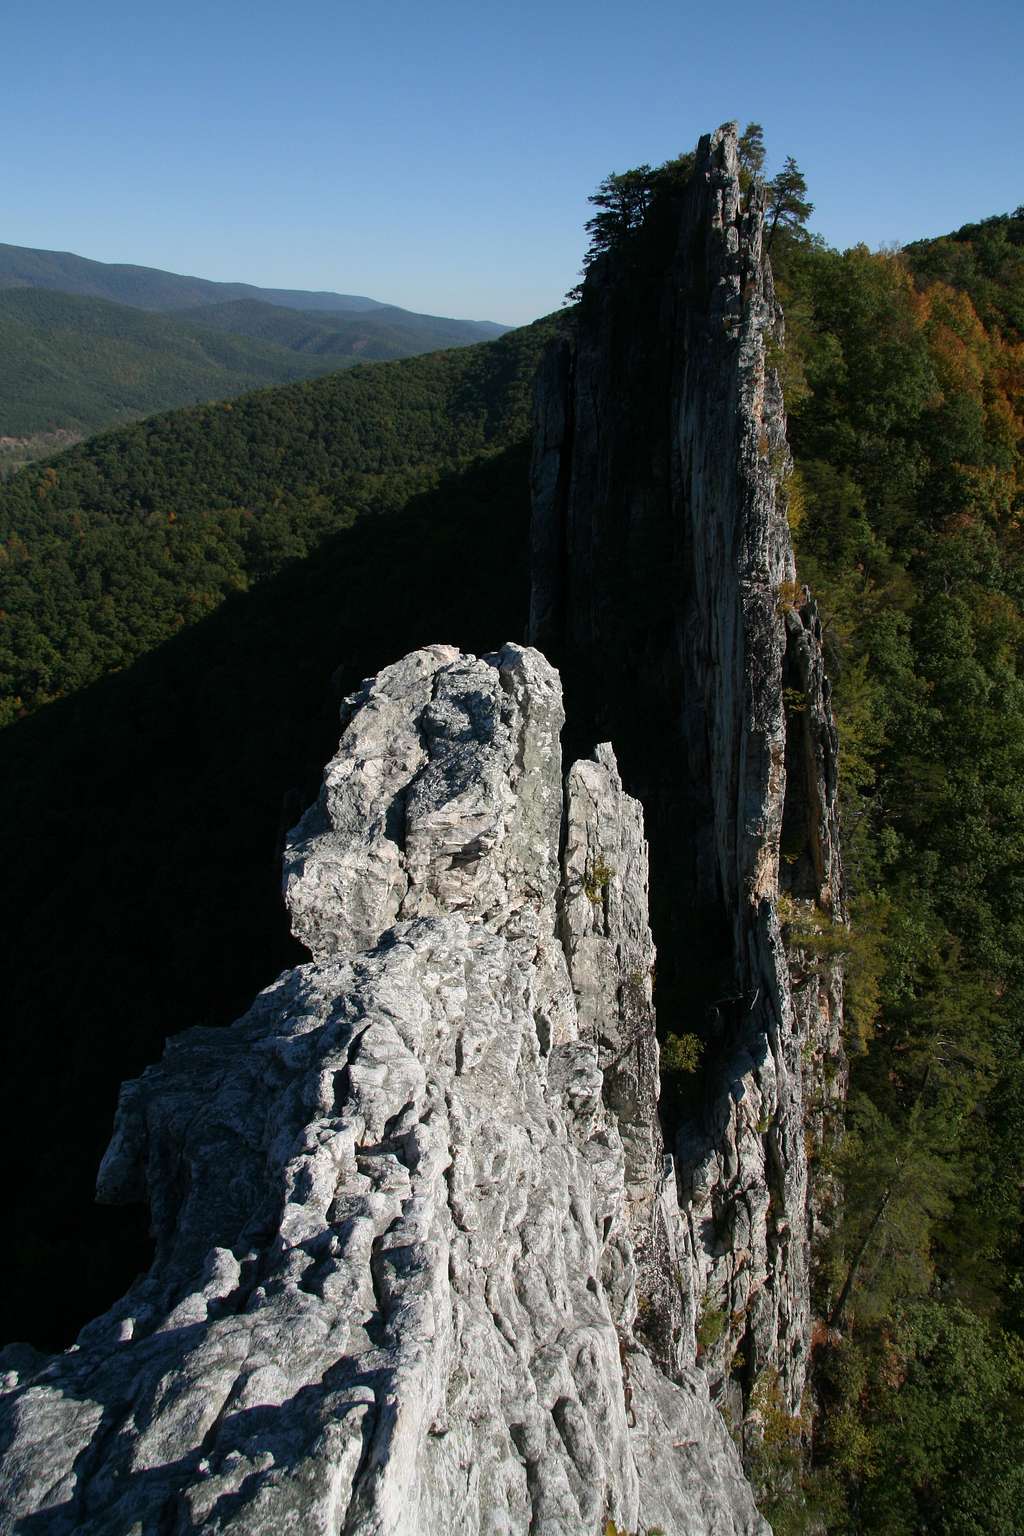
(381, 333)
(206, 586)
(86, 345)
(80, 364)
(23, 266)
(116, 545)
(905, 385)
(150, 288)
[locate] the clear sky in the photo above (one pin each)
(439, 155)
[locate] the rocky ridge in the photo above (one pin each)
(410, 1212)
(421, 1260)
(664, 588)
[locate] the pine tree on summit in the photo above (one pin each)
(751, 153)
(622, 201)
(788, 206)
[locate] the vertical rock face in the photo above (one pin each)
(664, 588)
(411, 1213)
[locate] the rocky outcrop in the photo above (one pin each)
(664, 587)
(421, 1261)
(411, 1214)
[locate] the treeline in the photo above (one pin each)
(904, 378)
(114, 546)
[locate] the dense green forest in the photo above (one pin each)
(905, 385)
(117, 544)
(176, 593)
(83, 364)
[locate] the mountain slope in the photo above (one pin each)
(83, 347)
(70, 363)
(986, 261)
(159, 905)
(151, 288)
(114, 546)
(119, 556)
(378, 334)
(81, 364)
(905, 384)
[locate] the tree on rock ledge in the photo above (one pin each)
(751, 151)
(622, 201)
(788, 205)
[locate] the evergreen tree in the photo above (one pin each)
(751, 153)
(622, 201)
(788, 206)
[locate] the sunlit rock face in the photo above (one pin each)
(412, 1213)
(664, 588)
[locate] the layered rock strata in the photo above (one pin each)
(408, 1212)
(664, 587)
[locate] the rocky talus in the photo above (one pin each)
(665, 590)
(412, 1212)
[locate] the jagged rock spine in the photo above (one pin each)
(397, 1215)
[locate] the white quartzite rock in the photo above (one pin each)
(404, 1207)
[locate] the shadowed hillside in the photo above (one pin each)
(145, 851)
(119, 543)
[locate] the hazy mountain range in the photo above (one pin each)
(88, 344)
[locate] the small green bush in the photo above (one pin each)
(710, 1326)
(681, 1053)
(597, 880)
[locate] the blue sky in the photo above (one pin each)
(440, 156)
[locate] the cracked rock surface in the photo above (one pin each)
(406, 1209)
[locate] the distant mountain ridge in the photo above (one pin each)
(383, 333)
(86, 344)
(151, 288)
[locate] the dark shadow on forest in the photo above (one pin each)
(145, 820)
